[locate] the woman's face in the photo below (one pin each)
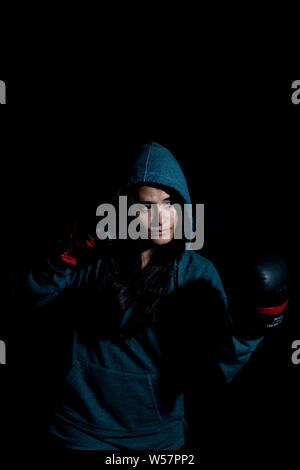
(159, 220)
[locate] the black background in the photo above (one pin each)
(66, 143)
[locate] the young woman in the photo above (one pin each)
(140, 310)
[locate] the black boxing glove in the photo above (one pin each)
(259, 296)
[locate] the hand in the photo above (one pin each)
(77, 243)
(260, 293)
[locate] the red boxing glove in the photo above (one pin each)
(77, 245)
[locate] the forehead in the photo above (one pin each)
(150, 193)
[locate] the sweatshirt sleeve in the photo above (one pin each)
(233, 352)
(47, 280)
(234, 359)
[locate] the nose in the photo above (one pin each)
(161, 218)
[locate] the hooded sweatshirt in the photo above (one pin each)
(115, 395)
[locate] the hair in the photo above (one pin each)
(127, 284)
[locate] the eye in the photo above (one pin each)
(146, 207)
(170, 204)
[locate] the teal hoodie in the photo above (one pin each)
(112, 397)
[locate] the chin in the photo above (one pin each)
(161, 241)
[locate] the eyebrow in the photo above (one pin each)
(151, 202)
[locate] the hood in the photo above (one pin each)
(156, 164)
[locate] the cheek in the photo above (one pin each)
(173, 217)
(145, 218)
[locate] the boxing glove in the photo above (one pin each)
(259, 294)
(76, 244)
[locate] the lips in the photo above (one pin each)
(161, 232)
